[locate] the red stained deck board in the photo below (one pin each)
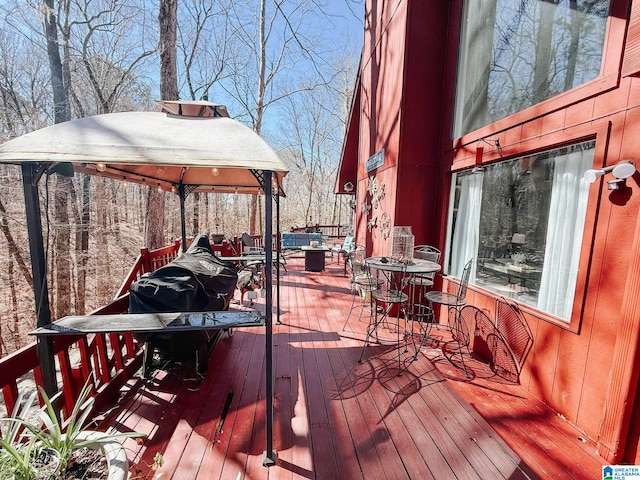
(203, 412)
(231, 445)
(493, 449)
(390, 400)
(551, 452)
(187, 409)
(312, 365)
(144, 416)
(246, 404)
(346, 455)
(392, 465)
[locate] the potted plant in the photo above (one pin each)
(33, 444)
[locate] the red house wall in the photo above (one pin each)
(400, 110)
(586, 369)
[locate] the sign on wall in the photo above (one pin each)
(374, 161)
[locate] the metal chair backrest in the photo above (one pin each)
(247, 241)
(464, 281)
(427, 252)
(349, 244)
(355, 259)
(513, 326)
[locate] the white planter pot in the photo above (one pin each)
(116, 455)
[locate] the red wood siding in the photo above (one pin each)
(407, 93)
(631, 63)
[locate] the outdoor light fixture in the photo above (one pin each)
(348, 187)
(622, 170)
(215, 171)
(101, 167)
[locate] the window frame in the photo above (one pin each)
(608, 79)
(600, 134)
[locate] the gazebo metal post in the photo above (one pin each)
(269, 457)
(277, 200)
(182, 194)
(31, 173)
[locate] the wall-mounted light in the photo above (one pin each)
(101, 167)
(348, 187)
(215, 171)
(622, 170)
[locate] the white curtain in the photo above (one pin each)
(466, 233)
(567, 213)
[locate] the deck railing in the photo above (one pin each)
(331, 231)
(110, 360)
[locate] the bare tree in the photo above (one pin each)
(203, 45)
(167, 19)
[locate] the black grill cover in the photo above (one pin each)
(196, 281)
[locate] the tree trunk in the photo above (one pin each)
(257, 126)
(13, 247)
(81, 214)
(60, 93)
(61, 248)
(168, 20)
(154, 220)
(61, 114)
(196, 213)
(103, 261)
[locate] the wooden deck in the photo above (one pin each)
(335, 418)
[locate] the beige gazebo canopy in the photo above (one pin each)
(189, 143)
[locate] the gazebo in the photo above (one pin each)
(188, 146)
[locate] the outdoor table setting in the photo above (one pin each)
(397, 275)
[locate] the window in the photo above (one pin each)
(515, 54)
(523, 221)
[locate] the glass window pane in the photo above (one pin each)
(516, 54)
(523, 221)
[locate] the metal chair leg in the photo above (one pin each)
(426, 322)
(371, 328)
(461, 339)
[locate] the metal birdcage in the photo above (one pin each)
(402, 241)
